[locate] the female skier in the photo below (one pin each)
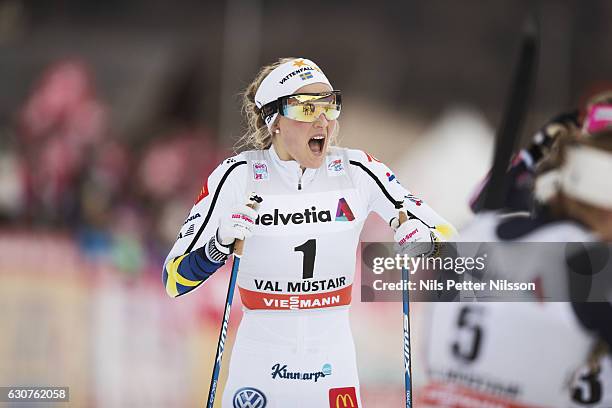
(294, 346)
(597, 117)
(522, 354)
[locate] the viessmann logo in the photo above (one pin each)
(309, 215)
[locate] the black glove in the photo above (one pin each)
(547, 134)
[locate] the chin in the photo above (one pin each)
(312, 165)
(310, 161)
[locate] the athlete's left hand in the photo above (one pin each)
(414, 238)
(564, 123)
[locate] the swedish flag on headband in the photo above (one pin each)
(306, 75)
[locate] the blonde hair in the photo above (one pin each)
(257, 135)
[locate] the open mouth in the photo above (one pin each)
(316, 144)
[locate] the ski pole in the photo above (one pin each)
(406, 306)
(238, 247)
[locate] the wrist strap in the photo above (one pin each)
(217, 252)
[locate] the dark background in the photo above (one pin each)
(156, 61)
(113, 114)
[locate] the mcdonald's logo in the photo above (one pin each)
(343, 398)
(346, 399)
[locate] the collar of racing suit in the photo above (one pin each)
(291, 172)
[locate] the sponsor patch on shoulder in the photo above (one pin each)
(391, 177)
(371, 158)
(203, 193)
(187, 233)
(335, 166)
(260, 170)
(414, 199)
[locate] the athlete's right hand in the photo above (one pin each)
(238, 224)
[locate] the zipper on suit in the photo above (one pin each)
(300, 179)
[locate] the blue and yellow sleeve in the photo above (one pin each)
(186, 272)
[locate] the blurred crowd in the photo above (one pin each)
(65, 168)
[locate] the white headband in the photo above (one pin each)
(585, 176)
(285, 80)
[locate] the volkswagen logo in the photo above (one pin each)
(249, 397)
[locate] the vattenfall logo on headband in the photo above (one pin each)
(296, 72)
(309, 215)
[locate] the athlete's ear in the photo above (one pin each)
(276, 130)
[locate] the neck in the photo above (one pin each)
(280, 151)
(283, 154)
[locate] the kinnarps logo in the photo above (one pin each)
(308, 216)
(282, 372)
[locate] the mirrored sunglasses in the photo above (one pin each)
(306, 107)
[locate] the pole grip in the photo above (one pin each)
(239, 243)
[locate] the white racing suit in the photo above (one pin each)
(513, 354)
(294, 346)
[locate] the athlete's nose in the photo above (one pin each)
(321, 121)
